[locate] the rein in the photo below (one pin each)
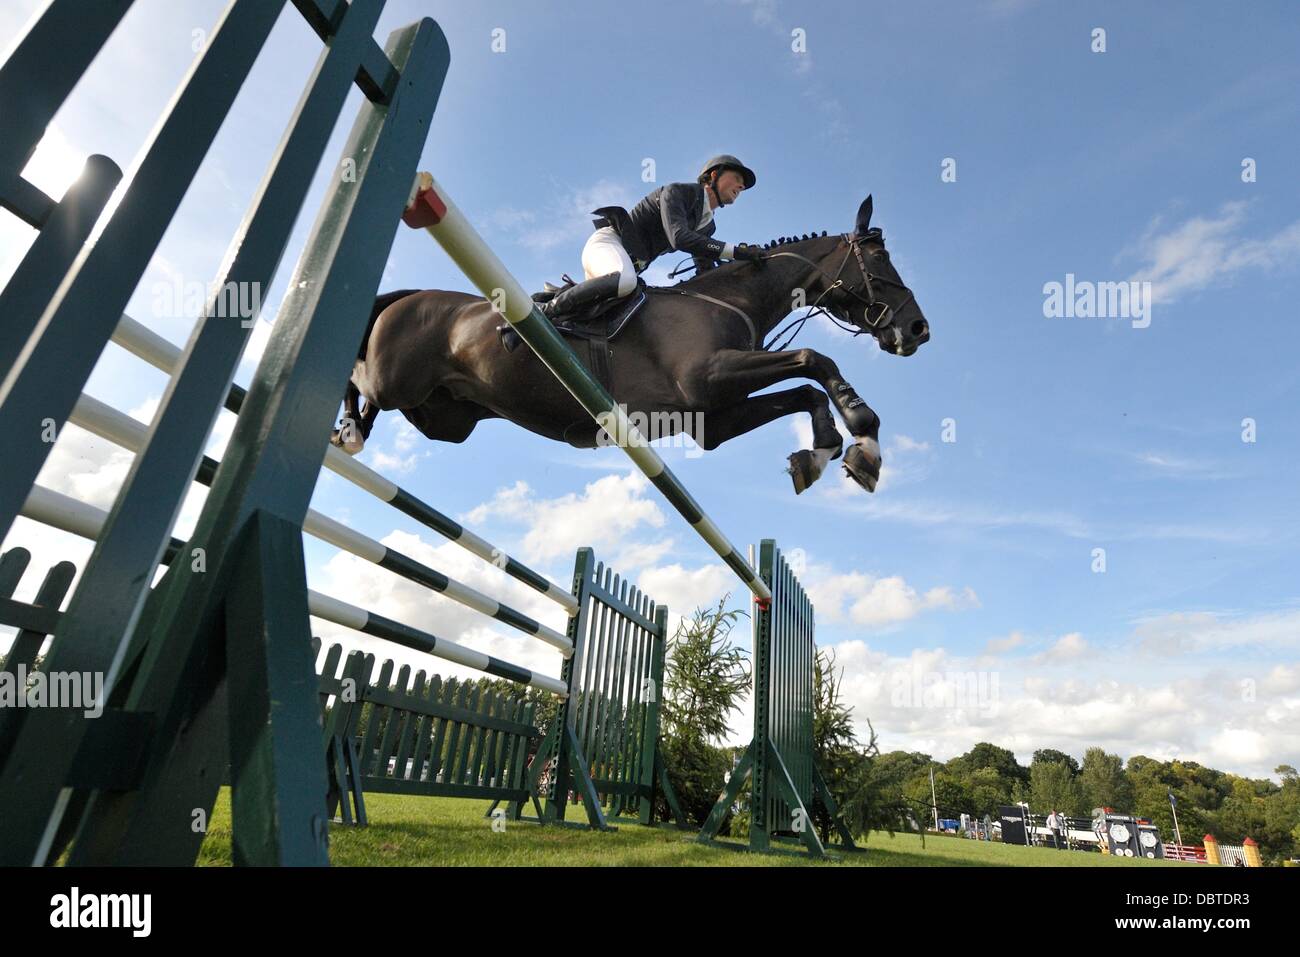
(884, 311)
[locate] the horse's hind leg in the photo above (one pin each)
(354, 428)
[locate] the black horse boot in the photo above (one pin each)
(577, 297)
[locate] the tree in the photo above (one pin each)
(1052, 787)
(989, 791)
(1280, 838)
(844, 767)
(986, 755)
(1057, 757)
(1104, 782)
(950, 793)
(704, 678)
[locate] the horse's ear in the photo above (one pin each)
(864, 217)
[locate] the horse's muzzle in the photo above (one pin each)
(902, 343)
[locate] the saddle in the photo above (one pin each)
(599, 322)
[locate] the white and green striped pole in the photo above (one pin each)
(59, 511)
(431, 208)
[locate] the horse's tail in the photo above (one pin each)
(382, 302)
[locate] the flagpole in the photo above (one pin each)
(934, 800)
(1173, 806)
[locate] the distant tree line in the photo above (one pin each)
(707, 678)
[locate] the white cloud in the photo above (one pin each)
(1069, 647)
(685, 589)
(1233, 747)
(1173, 712)
(1204, 251)
(998, 646)
(408, 447)
(602, 515)
(1282, 679)
(387, 463)
(85, 467)
(877, 602)
(566, 220)
(929, 512)
(1173, 466)
(634, 555)
(1184, 633)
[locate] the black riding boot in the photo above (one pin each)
(578, 296)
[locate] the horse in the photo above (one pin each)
(693, 352)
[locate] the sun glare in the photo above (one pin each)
(55, 165)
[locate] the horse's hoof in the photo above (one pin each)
(351, 446)
(801, 470)
(807, 467)
(860, 467)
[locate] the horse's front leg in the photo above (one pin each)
(806, 466)
(731, 374)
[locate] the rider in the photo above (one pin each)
(678, 216)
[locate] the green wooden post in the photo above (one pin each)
(651, 697)
(779, 760)
(570, 763)
(742, 772)
(278, 782)
(760, 794)
(802, 820)
(823, 794)
(272, 462)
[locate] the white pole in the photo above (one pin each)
(934, 801)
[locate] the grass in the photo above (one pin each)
(421, 832)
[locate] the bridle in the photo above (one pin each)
(876, 313)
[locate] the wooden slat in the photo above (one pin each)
(473, 770)
(393, 725)
(514, 754)
(461, 768)
(13, 564)
(437, 763)
(429, 789)
(453, 737)
(424, 727)
(375, 716)
(409, 720)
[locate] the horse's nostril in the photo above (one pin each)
(920, 328)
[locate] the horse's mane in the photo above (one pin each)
(727, 268)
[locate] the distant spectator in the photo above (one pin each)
(1054, 825)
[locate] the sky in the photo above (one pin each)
(1087, 529)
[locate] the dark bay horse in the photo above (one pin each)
(693, 352)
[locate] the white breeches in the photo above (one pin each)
(604, 254)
